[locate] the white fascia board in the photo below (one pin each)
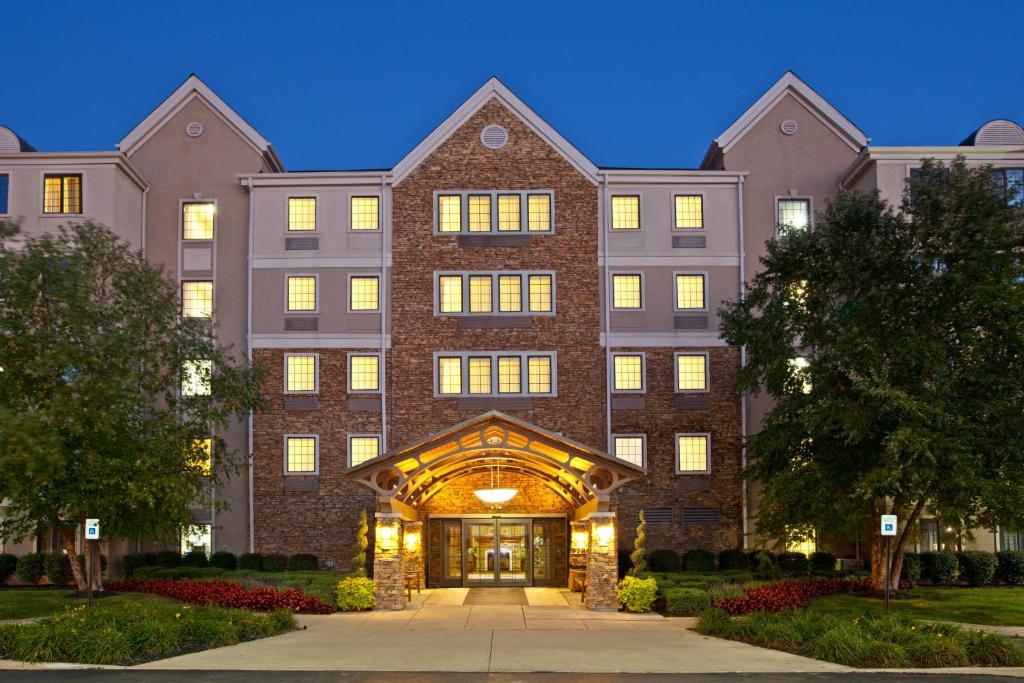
(806, 95)
(672, 176)
(56, 159)
(494, 88)
(315, 178)
(903, 155)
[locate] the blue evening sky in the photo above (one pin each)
(357, 85)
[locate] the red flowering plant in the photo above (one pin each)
(227, 594)
(787, 595)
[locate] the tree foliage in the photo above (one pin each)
(361, 544)
(92, 422)
(910, 394)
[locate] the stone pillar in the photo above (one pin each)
(389, 561)
(602, 563)
(412, 549)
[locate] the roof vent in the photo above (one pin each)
(193, 129)
(788, 127)
(494, 136)
(996, 133)
(10, 142)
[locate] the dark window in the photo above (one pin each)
(1011, 540)
(4, 184)
(1011, 182)
(929, 540)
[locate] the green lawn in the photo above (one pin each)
(40, 602)
(994, 606)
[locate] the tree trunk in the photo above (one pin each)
(97, 565)
(899, 544)
(67, 542)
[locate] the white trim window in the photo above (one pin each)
(630, 447)
(198, 221)
(364, 213)
(691, 372)
(516, 293)
(197, 299)
(302, 212)
(691, 292)
(625, 210)
(301, 373)
(792, 214)
(627, 291)
(693, 453)
(469, 374)
(628, 372)
(197, 378)
(301, 293)
(363, 293)
(362, 448)
(62, 193)
(491, 212)
(301, 454)
(688, 212)
(363, 373)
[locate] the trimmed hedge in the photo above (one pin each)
(303, 562)
(30, 567)
(250, 561)
(274, 562)
(663, 560)
(976, 567)
(911, 571)
(222, 559)
(760, 560)
(940, 568)
(734, 558)
(698, 560)
(8, 563)
(822, 562)
(793, 562)
(685, 602)
(195, 558)
(1011, 566)
(57, 568)
(167, 558)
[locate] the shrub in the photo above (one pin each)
(250, 561)
(733, 558)
(684, 602)
(984, 650)
(793, 562)
(7, 564)
(222, 559)
(663, 560)
(57, 567)
(760, 561)
(168, 558)
(30, 567)
(361, 543)
(699, 561)
(356, 593)
(178, 572)
(976, 567)
(303, 562)
(822, 562)
(1011, 566)
(228, 595)
(195, 558)
(940, 568)
(132, 563)
(274, 563)
(638, 595)
(911, 571)
(638, 558)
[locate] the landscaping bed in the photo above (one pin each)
(227, 594)
(995, 606)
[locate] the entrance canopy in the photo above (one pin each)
(406, 477)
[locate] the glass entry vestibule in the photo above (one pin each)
(496, 552)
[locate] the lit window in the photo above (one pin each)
(510, 293)
(691, 372)
(202, 455)
(630, 449)
(480, 213)
(479, 375)
(197, 220)
(362, 448)
(449, 375)
(538, 210)
(628, 372)
(692, 452)
(301, 214)
(301, 293)
(480, 294)
(689, 212)
(799, 368)
(794, 214)
(626, 291)
(197, 299)
(449, 213)
(539, 371)
(540, 293)
(450, 293)
(196, 377)
(62, 194)
(5, 184)
(365, 213)
(509, 218)
(690, 292)
(300, 373)
(363, 295)
(509, 377)
(800, 539)
(300, 454)
(625, 212)
(363, 373)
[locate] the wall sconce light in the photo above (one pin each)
(604, 534)
(580, 540)
(411, 540)
(387, 536)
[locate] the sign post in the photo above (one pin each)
(888, 530)
(92, 534)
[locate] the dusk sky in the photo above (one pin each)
(340, 85)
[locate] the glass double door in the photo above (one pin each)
(496, 552)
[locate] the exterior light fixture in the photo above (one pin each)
(580, 540)
(495, 494)
(411, 540)
(387, 537)
(604, 533)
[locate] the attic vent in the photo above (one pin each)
(193, 129)
(700, 516)
(788, 127)
(658, 515)
(494, 136)
(999, 132)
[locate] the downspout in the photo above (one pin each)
(145, 197)
(248, 353)
(385, 231)
(743, 362)
(606, 313)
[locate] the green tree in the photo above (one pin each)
(639, 555)
(893, 346)
(92, 419)
(360, 545)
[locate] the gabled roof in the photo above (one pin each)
(791, 84)
(193, 88)
(494, 89)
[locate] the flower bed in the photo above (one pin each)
(786, 595)
(229, 595)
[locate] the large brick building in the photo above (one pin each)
(495, 311)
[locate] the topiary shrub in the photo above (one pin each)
(911, 571)
(636, 594)
(638, 558)
(1011, 566)
(733, 558)
(361, 543)
(303, 562)
(57, 568)
(822, 562)
(250, 561)
(793, 562)
(698, 560)
(168, 558)
(686, 602)
(356, 593)
(222, 559)
(663, 560)
(976, 567)
(274, 562)
(940, 568)
(760, 560)
(195, 558)
(7, 564)
(30, 567)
